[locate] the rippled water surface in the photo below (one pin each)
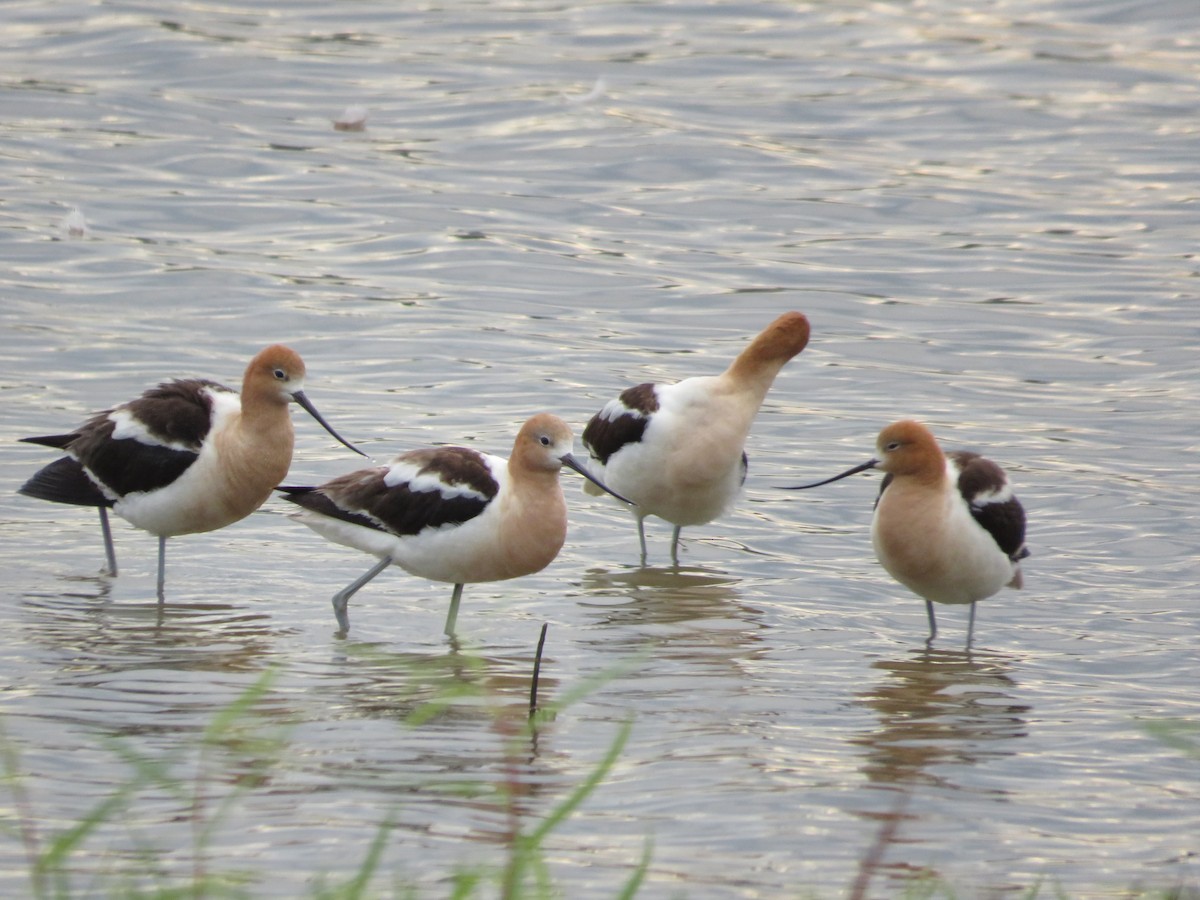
(989, 212)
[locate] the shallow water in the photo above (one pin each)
(988, 213)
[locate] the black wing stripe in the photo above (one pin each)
(405, 512)
(64, 481)
(127, 466)
(985, 487)
(313, 500)
(58, 441)
(364, 497)
(604, 436)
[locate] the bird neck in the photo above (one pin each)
(258, 444)
(752, 374)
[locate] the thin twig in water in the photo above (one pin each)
(537, 671)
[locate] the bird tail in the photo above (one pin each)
(64, 481)
(58, 441)
(309, 498)
(295, 488)
(314, 500)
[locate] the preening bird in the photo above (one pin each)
(678, 450)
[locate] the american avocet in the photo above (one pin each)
(187, 456)
(450, 513)
(678, 450)
(947, 525)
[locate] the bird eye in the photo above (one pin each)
(892, 445)
(280, 375)
(545, 439)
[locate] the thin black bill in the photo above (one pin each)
(312, 411)
(869, 464)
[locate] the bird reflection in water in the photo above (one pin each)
(85, 629)
(935, 708)
(468, 746)
(662, 596)
(939, 706)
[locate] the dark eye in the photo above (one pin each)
(545, 439)
(893, 445)
(280, 375)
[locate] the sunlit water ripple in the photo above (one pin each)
(989, 216)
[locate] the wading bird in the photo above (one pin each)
(186, 456)
(947, 525)
(678, 450)
(450, 514)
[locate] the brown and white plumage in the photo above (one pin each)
(678, 450)
(187, 456)
(946, 525)
(450, 514)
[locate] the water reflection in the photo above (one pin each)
(940, 706)
(997, 246)
(137, 669)
(668, 595)
(447, 729)
(91, 635)
(680, 612)
(379, 682)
